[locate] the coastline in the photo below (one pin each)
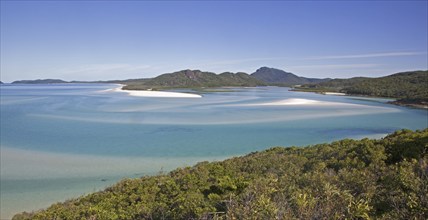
(394, 102)
(334, 93)
(155, 94)
(298, 101)
(47, 183)
(409, 105)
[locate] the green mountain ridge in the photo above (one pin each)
(194, 79)
(346, 179)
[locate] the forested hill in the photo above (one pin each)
(347, 179)
(194, 79)
(405, 86)
(279, 77)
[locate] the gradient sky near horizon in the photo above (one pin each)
(101, 40)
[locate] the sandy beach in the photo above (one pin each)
(334, 93)
(156, 94)
(296, 101)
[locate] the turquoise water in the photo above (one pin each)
(60, 141)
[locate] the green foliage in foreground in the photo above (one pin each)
(347, 179)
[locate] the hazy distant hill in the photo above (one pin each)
(406, 86)
(39, 81)
(194, 79)
(274, 76)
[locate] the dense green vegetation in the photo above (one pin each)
(347, 179)
(198, 79)
(278, 77)
(407, 87)
(193, 79)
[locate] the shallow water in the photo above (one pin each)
(60, 141)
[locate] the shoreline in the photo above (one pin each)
(334, 93)
(409, 105)
(155, 94)
(393, 101)
(46, 182)
(293, 101)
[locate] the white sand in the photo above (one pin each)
(334, 93)
(156, 94)
(293, 101)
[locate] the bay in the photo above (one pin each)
(64, 140)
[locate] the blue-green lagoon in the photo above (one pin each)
(64, 140)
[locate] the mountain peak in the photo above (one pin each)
(265, 68)
(280, 77)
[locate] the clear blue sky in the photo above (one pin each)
(132, 39)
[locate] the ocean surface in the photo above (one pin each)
(62, 141)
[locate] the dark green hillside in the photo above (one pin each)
(409, 87)
(347, 179)
(278, 77)
(193, 79)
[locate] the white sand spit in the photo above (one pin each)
(334, 93)
(307, 102)
(157, 94)
(292, 101)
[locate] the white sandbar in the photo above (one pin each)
(292, 101)
(158, 94)
(334, 93)
(304, 102)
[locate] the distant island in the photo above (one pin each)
(39, 81)
(409, 88)
(347, 179)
